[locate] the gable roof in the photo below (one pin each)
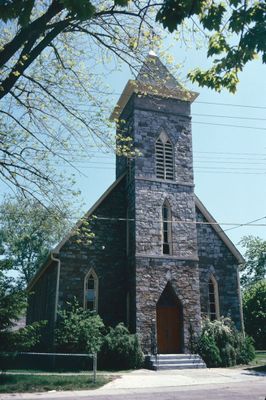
(57, 249)
(216, 227)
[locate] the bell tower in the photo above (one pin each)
(154, 110)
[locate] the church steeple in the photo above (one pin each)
(154, 73)
(154, 79)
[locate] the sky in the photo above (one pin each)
(229, 148)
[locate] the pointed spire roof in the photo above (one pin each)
(153, 72)
(153, 79)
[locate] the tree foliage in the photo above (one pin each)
(120, 349)
(27, 232)
(254, 269)
(53, 54)
(221, 345)
(13, 299)
(78, 330)
(235, 31)
(254, 309)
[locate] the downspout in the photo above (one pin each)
(53, 258)
(240, 300)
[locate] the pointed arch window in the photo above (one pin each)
(91, 291)
(164, 158)
(167, 228)
(214, 312)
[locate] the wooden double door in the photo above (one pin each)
(169, 324)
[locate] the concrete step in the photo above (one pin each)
(174, 361)
(178, 366)
(177, 361)
(175, 357)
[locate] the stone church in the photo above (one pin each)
(159, 262)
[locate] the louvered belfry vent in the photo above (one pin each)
(164, 158)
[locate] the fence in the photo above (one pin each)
(46, 360)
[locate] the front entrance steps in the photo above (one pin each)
(174, 361)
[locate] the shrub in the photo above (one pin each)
(78, 330)
(23, 339)
(254, 309)
(221, 345)
(120, 350)
(245, 350)
(208, 350)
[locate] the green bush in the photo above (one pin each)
(120, 350)
(245, 349)
(254, 309)
(78, 330)
(208, 350)
(23, 339)
(221, 345)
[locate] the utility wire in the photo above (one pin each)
(196, 101)
(160, 221)
(250, 222)
(229, 125)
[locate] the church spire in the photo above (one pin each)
(154, 73)
(153, 79)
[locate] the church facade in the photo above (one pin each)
(159, 262)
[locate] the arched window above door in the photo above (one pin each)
(91, 291)
(164, 156)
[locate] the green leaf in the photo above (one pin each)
(217, 44)
(212, 19)
(173, 12)
(82, 9)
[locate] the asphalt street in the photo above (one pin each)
(202, 384)
(233, 391)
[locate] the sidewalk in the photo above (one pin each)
(145, 380)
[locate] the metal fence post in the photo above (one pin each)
(94, 367)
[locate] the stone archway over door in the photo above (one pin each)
(169, 323)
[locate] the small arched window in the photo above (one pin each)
(164, 158)
(91, 291)
(213, 299)
(167, 228)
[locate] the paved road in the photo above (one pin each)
(235, 391)
(203, 384)
(232, 391)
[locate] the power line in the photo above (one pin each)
(231, 104)
(228, 116)
(160, 221)
(229, 125)
(250, 222)
(196, 101)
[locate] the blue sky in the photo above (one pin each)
(229, 161)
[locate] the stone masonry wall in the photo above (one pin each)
(106, 255)
(216, 259)
(152, 276)
(153, 269)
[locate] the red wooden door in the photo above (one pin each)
(168, 329)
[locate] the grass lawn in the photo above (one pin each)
(259, 363)
(42, 383)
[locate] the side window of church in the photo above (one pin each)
(91, 292)
(167, 228)
(213, 299)
(164, 158)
